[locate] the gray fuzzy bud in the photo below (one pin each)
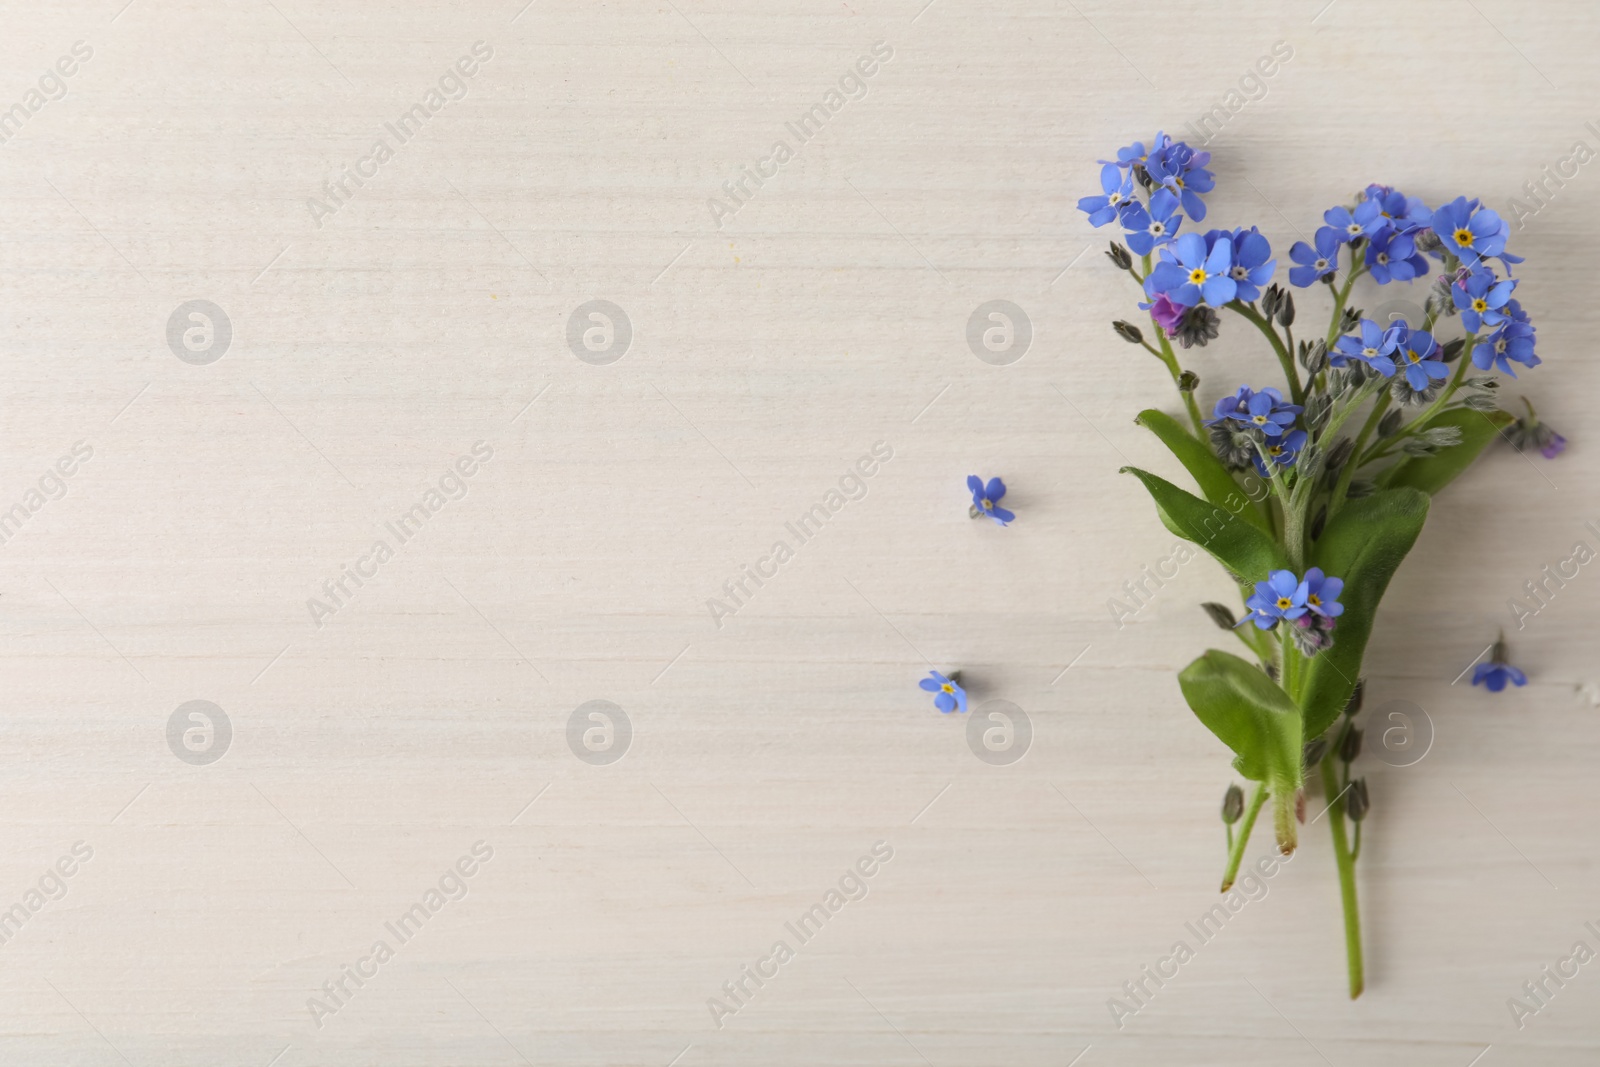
(1356, 802)
(1286, 312)
(1232, 804)
(1389, 425)
(1128, 332)
(1120, 256)
(1220, 614)
(1188, 381)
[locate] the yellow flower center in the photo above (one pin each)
(1411, 355)
(988, 505)
(948, 688)
(1314, 600)
(1463, 237)
(1198, 276)
(1259, 420)
(1284, 603)
(1480, 305)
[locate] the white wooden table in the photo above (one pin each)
(375, 339)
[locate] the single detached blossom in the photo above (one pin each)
(1281, 596)
(1468, 232)
(1190, 273)
(1322, 593)
(1371, 344)
(1118, 188)
(1267, 412)
(1529, 432)
(1480, 297)
(986, 501)
(1154, 225)
(1315, 263)
(949, 696)
(1420, 357)
(1495, 672)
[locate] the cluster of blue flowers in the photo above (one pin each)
(1309, 604)
(1269, 415)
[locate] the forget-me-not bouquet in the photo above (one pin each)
(1310, 491)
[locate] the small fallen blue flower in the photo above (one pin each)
(1322, 593)
(1266, 411)
(1152, 226)
(986, 501)
(949, 694)
(1468, 232)
(1283, 451)
(1529, 432)
(1373, 347)
(1420, 357)
(1495, 672)
(1480, 297)
(1315, 263)
(1118, 188)
(1281, 596)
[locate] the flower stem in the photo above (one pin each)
(1347, 874)
(1296, 393)
(1236, 853)
(1336, 500)
(1421, 421)
(1170, 358)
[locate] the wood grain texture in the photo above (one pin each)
(768, 354)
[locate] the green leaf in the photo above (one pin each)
(1240, 546)
(1432, 473)
(1250, 713)
(1364, 544)
(1214, 480)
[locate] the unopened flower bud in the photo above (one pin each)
(1389, 424)
(1232, 804)
(1286, 312)
(1220, 614)
(1188, 381)
(1357, 694)
(1350, 745)
(1356, 803)
(1271, 300)
(1312, 753)
(1120, 256)
(1128, 332)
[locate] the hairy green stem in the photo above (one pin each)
(1285, 358)
(1170, 358)
(1236, 853)
(1336, 500)
(1347, 874)
(1420, 423)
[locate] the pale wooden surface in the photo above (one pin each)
(767, 356)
